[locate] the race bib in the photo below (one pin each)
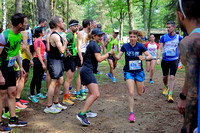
(21, 58)
(11, 61)
(171, 52)
(135, 65)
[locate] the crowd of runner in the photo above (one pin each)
(56, 52)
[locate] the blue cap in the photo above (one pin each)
(97, 31)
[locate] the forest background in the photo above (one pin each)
(123, 14)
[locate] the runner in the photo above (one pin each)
(113, 43)
(169, 43)
(152, 47)
(10, 41)
(70, 62)
(58, 46)
(26, 62)
(91, 58)
(133, 70)
(39, 66)
(188, 19)
(81, 48)
(93, 24)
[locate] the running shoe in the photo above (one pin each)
(33, 99)
(131, 118)
(59, 106)
(61, 92)
(16, 123)
(114, 80)
(83, 94)
(4, 128)
(17, 110)
(91, 114)
(67, 102)
(109, 75)
(83, 119)
(86, 89)
(7, 115)
(24, 101)
(80, 98)
(72, 98)
(165, 91)
(40, 95)
(19, 105)
(170, 99)
(72, 91)
(52, 110)
(99, 72)
(151, 81)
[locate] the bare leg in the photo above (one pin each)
(57, 89)
(153, 62)
(51, 90)
(111, 67)
(48, 79)
(3, 94)
(69, 77)
(78, 80)
(130, 84)
(171, 83)
(12, 100)
(139, 86)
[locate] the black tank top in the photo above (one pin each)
(54, 53)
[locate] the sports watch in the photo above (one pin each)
(182, 96)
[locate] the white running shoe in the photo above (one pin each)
(91, 114)
(59, 106)
(52, 110)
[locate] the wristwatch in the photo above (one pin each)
(182, 96)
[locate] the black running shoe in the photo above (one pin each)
(16, 123)
(83, 119)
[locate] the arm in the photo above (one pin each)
(119, 56)
(79, 41)
(22, 71)
(118, 46)
(38, 49)
(147, 54)
(56, 40)
(26, 48)
(159, 52)
(105, 44)
(47, 39)
(101, 58)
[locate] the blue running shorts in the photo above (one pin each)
(135, 75)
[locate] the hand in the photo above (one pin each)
(2, 80)
(31, 62)
(158, 61)
(22, 71)
(141, 57)
(82, 62)
(68, 54)
(15, 65)
(22, 46)
(112, 51)
(181, 106)
(44, 67)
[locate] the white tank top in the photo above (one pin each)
(84, 44)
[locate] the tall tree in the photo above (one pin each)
(43, 9)
(18, 6)
(130, 13)
(4, 14)
(150, 15)
(144, 15)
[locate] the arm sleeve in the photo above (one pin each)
(2, 41)
(162, 39)
(146, 44)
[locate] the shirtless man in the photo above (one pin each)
(188, 18)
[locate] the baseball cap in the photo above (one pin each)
(99, 26)
(116, 30)
(97, 31)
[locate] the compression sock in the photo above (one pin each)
(82, 113)
(166, 86)
(88, 111)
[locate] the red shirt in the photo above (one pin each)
(38, 43)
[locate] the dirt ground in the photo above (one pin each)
(152, 111)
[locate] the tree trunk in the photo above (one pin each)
(35, 13)
(32, 14)
(121, 29)
(67, 14)
(150, 12)
(52, 8)
(144, 15)
(43, 9)
(18, 6)
(4, 14)
(130, 13)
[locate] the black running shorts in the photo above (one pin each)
(55, 68)
(111, 58)
(78, 63)
(70, 63)
(26, 64)
(169, 65)
(9, 76)
(87, 76)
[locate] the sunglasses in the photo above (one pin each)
(180, 3)
(116, 32)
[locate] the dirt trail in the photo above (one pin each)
(152, 111)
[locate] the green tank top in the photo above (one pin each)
(110, 44)
(11, 44)
(71, 46)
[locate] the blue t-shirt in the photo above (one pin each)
(132, 61)
(170, 46)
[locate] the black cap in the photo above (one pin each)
(97, 31)
(99, 26)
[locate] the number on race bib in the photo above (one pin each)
(135, 65)
(11, 61)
